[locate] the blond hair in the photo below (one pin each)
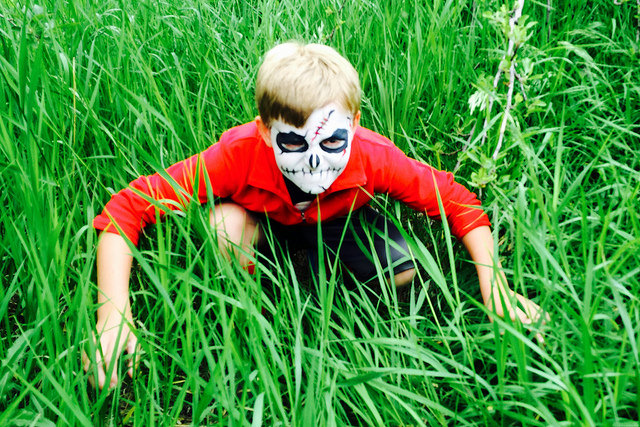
(296, 79)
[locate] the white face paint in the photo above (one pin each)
(313, 156)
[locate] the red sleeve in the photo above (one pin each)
(148, 197)
(418, 185)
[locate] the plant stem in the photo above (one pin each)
(511, 53)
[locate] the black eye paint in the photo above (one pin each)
(338, 135)
(291, 142)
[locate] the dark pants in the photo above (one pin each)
(359, 241)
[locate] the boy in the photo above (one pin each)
(304, 160)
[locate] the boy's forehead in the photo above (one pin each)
(330, 115)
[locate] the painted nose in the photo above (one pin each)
(314, 161)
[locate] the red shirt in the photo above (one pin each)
(241, 167)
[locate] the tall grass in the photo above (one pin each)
(93, 94)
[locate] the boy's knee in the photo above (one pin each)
(404, 277)
(228, 219)
(236, 228)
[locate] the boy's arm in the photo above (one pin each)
(496, 294)
(216, 172)
(114, 311)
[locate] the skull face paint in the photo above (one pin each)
(313, 156)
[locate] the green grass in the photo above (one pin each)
(93, 94)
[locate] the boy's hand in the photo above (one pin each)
(496, 294)
(518, 307)
(112, 343)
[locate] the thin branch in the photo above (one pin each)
(10, 20)
(507, 110)
(511, 53)
(524, 93)
(466, 147)
(330, 36)
(496, 80)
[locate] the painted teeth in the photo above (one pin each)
(312, 173)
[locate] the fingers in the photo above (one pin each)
(524, 316)
(134, 360)
(86, 364)
(107, 353)
(98, 378)
(532, 311)
(531, 314)
(99, 375)
(114, 375)
(85, 361)
(522, 310)
(103, 364)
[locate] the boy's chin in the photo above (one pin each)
(316, 189)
